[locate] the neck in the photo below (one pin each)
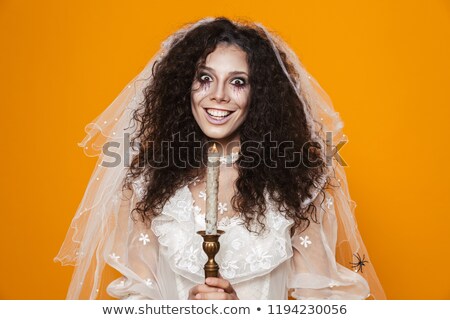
(228, 146)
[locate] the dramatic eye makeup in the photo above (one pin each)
(204, 78)
(239, 82)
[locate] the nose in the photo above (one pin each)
(220, 93)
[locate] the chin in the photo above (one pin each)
(213, 134)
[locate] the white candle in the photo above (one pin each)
(212, 189)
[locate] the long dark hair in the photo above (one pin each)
(275, 110)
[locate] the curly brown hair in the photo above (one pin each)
(169, 136)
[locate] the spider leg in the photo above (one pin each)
(360, 262)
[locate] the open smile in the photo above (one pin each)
(218, 116)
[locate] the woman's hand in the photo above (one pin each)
(213, 289)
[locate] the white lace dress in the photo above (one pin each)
(166, 260)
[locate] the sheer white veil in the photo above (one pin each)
(93, 222)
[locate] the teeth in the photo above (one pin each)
(217, 113)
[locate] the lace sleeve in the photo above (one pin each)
(329, 259)
(133, 251)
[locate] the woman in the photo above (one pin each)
(283, 198)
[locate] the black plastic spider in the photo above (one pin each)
(360, 262)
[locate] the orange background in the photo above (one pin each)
(385, 65)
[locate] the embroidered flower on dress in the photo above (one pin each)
(305, 241)
(186, 209)
(258, 259)
(236, 244)
(144, 238)
(227, 221)
(189, 259)
(222, 207)
(224, 222)
(228, 266)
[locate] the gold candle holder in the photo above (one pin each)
(211, 246)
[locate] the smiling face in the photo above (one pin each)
(221, 92)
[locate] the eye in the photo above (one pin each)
(204, 78)
(238, 82)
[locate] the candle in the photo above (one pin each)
(212, 189)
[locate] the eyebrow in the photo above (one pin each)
(230, 73)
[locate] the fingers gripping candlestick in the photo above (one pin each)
(211, 235)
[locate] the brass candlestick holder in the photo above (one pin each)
(211, 246)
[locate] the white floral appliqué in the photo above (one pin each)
(229, 266)
(186, 209)
(144, 238)
(222, 207)
(258, 259)
(190, 259)
(237, 244)
(305, 241)
(224, 222)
